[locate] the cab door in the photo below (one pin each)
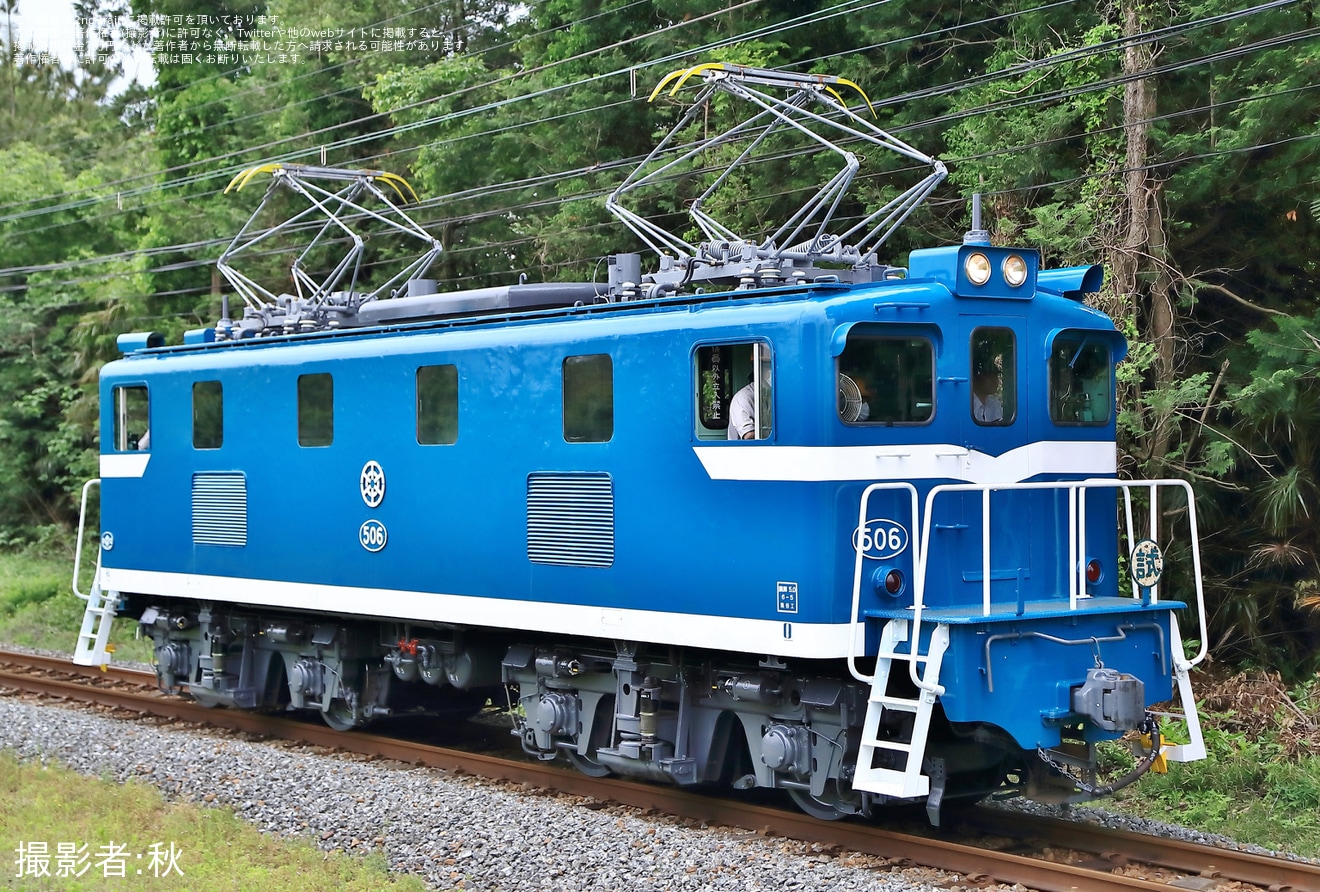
(990, 351)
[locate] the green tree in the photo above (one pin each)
(1269, 604)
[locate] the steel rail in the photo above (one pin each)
(61, 664)
(975, 863)
(1121, 847)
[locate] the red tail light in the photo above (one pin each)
(1094, 572)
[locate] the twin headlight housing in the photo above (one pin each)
(978, 268)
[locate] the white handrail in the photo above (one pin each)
(985, 552)
(77, 552)
(857, 622)
(1076, 536)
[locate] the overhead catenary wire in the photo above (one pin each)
(838, 9)
(496, 246)
(1224, 54)
(488, 189)
(560, 199)
(964, 83)
(226, 172)
(263, 88)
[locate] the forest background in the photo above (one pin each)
(1176, 143)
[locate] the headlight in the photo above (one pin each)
(1015, 270)
(977, 267)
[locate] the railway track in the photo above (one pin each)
(1100, 859)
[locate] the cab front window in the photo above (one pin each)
(886, 380)
(994, 376)
(1081, 379)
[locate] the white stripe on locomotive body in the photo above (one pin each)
(780, 637)
(131, 464)
(909, 462)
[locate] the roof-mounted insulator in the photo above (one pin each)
(976, 235)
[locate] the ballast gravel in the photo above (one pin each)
(456, 832)
(462, 832)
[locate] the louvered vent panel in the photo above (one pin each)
(219, 509)
(570, 519)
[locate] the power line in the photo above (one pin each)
(392, 131)
(839, 9)
(260, 89)
(1050, 97)
(495, 246)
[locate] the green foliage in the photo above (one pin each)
(17, 594)
(37, 605)
(1271, 611)
(1258, 783)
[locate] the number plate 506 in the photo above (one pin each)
(881, 539)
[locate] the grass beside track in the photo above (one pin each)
(125, 834)
(38, 608)
(1260, 784)
(52, 806)
(1260, 780)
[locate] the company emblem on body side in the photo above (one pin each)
(372, 484)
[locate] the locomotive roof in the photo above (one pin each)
(804, 260)
(928, 292)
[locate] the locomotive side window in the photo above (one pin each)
(734, 393)
(994, 376)
(588, 398)
(208, 415)
(1081, 379)
(437, 404)
(886, 380)
(316, 410)
(132, 418)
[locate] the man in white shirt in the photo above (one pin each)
(742, 413)
(987, 405)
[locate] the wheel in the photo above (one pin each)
(341, 716)
(587, 765)
(204, 699)
(601, 729)
(831, 807)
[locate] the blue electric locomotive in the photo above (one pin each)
(772, 515)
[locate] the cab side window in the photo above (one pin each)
(316, 410)
(885, 380)
(994, 376)
(1081, 379)
(208, 415)
(437, 404)
(132, 418)
(589, 398)
(734, 391)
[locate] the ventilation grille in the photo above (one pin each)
(570, 519)
(219, 509)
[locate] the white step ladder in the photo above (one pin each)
(908, 782)
(94, 647)
(1194, 749)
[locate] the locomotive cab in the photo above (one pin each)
(997, 524)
